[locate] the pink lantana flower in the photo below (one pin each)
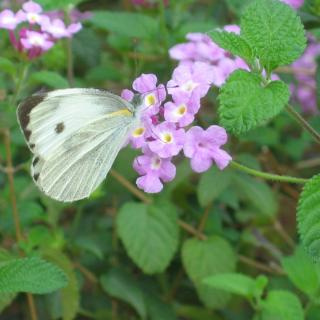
(32, 12)
(34, 39)
(168, 140)
(203, 147)
(181, 111)
(9, 20)
(58, 29)
(153, 170)
(153, 95)
(189, 79)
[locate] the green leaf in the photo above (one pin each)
(257, 193)
(308, 216)
(235, 283)
(302, 271)
(212, 184)
(69, 295)
(120, 285)
(245, 102)
(8, 66)
(49, 78)
(150, 234)
(33, 275)
(202, 259)
(275, 32)
(58, 4)
(233, 43)
(282, 305)
(129, 24)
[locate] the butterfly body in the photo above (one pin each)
(75, 136)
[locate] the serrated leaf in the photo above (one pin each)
(212, 184)
(233, 43)
(235, 283)
(129, 24)
(33, 275)
(308, 216)
(245, 102)
(149, 233)
(202, 259)
(257, 193)
(120, 285)
(282, 305)
(302, 271)
(49, 78)
(275, 32)
(69, 296)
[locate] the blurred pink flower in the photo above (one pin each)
(296, 4)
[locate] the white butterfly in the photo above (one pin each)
(75, 136)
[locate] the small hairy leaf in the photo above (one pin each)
(129, 24)
(149, 233)
(202, 259)
(302, 271)
(212, 184)
(120, 285)
(233, 43)
(282, 305)
(236, 283)
(275, 32)
(245, 102)
(33, 275)
(308, 216)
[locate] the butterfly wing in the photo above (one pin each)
(72, 160)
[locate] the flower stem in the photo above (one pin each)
(15, 213)
(265, 175)
(303, 122)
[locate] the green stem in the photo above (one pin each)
(19, 84)
(265, 175)
(303, 122)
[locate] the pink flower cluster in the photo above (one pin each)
(200, 47)
(304, 70)
(38, 31)
(162, 133)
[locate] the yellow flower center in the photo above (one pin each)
(167, 137)
(150, 100)
(138, 132)
(33, 18)
(182, 109)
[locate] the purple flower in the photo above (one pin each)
(33, 12)
(153, 95)
(168, 140)
(58, 29)
(34, 39)
(9, 20)
(189, 79)
(203, 147)
(296, 4)
(181, 111)
(154, 171)
(127, 94)
(141, 133)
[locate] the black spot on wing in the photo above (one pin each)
(59, 127)
(24, 110)
(36, 176)
(35, 161)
